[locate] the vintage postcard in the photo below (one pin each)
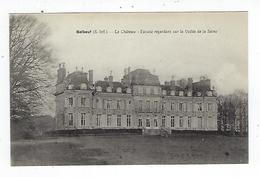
(129, 88)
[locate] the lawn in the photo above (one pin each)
(130, 149)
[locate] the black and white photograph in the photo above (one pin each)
(150, 88)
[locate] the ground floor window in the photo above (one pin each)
(172, 121)
(98, 120)
(148, 123)
(109, 120)
(199, 122)
(118, 121)
(70, 119)
(155, 123)
(181, 122)
(83, 119)
(163, 121)
(140, 122)
(128, 120)
(189, 121)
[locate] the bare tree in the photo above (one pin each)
(233, 112)
(31, 64)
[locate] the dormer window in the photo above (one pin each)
(209, 93)
(172, 92)
(119, 90)
(70, 86)
(99, 89)
(180, 93)
(128, 90)
(83, 86)
(109, 89)
(164, 92)
(198, 94)
(189, 93)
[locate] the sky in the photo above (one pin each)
(222, 56)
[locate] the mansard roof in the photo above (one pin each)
(76, 79)
(143, 77)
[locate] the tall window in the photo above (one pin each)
(109, 104)
(199, 106)
(118, 120)
(128, 120)
(140, 122)
(98, 120)
(164, 106)
(180, 106)
(70, 101)
(172, 105)
(118, 104)
(70, 119)
(148, 106)
(148, 122)
(172, 121)
(210, 106)
(155, 123)
(181, 122)
(83, 102)
(189, 121)
(163, 121)
(156, 106)
(140, 105)
(109, 120)
(83, 119)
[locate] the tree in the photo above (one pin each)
(233, 111)
(31, 64)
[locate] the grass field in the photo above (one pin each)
(129, 149)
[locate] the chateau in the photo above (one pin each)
(138, 101)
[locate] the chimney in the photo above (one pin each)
(110, 79)
(172, 83)
(190, 81)
(90, 74)
(61, 73)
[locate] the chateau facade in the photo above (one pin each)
(138, 101)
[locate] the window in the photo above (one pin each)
(71, 102)
(83, 119)
(118, 120)
(144, 90)
(172, 105)
(128, 120)
(156, 106)
(140, 105)
(180, 106)
(70, 119)
(172, 121)
(98, 120)
(164, 106)
(118, 104)
(83, 102)
(189, 121)
(152, 91)
(140, 90)
(210, 106)
(155, 123)
(109, 104)
(148, 106)
(148, 122)
(199, 106)
(148, 91)
(140, 122)
(163, 121)
(181, 122)
(109, 120)
(156, 91)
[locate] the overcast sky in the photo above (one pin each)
(222, 56)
